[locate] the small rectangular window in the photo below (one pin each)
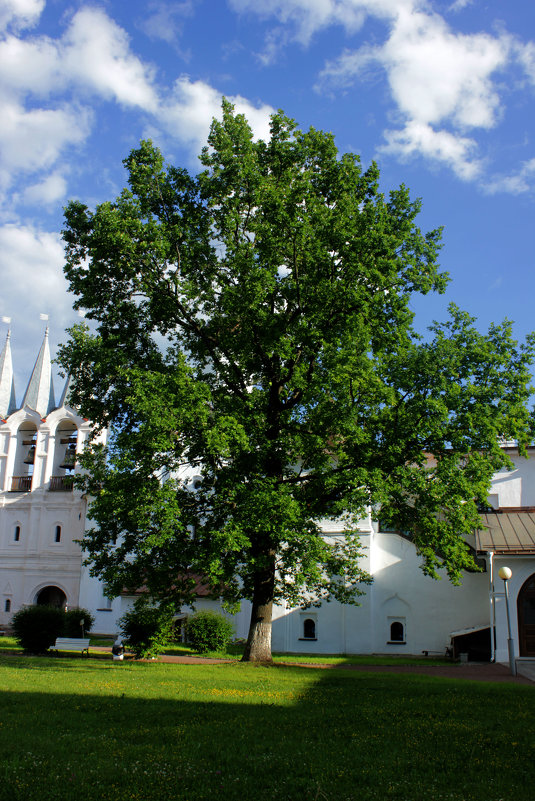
(7, 605)
(16, 534)
(58, 534)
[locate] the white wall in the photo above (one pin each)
(514, 488)
(522, 568)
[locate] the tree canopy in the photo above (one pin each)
(254, 322)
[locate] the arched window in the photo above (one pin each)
(7, 605)
(25, 454)
(57, 536)
(16, 534)
(309, 629)
(397, 632)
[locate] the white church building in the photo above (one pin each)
(42, 518)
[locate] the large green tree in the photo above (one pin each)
(254, 322)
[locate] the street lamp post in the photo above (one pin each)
(505, 573)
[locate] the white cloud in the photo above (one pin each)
(458, 5)
(420, 139)
(165, 20)
(525, 55)
(96, 53)
(31, 66)
(48, 87)
(47, 192)
(276, 40)
(33, 139)
(442, 83)
(20, 13)
(257, 117)
(31, 265)
(34, 259)
(187, 113)
(436, 75)
(93, 57)
(519, 182)
(308, 16)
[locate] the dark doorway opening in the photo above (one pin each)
(51, 596)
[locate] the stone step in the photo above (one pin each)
(525, 666)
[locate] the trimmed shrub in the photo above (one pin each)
(36, 627)
(209, 631)
(73, 622)
(147, 629)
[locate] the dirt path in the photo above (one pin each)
(483, 671)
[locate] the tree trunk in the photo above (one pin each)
(258, 647)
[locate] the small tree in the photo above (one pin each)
(146, 628)
(37, 627)
(209, 631)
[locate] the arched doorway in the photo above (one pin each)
(526, 617)
(51, 596)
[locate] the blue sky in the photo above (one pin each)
(441, 94)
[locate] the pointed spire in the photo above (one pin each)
(40, 392)
(64, 400)
(7, 381)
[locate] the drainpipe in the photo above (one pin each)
(492, 604)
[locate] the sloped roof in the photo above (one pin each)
(39, 394)
(7, 381)
(64, 400)
(201, 589)
(507, 533)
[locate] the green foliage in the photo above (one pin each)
(37, 627)
(281, 279)
(72, 625)
(146, 628)
(209, 631)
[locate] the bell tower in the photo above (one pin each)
(42, 514)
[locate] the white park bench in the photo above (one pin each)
(70, 644)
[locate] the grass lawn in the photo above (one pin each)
(82, 729)
(235, 651)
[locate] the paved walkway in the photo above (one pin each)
(481, 671)
(474, 671)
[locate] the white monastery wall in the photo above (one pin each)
(514, 488)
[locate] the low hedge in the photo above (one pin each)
(36, 628)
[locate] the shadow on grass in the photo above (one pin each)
(80, 729)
